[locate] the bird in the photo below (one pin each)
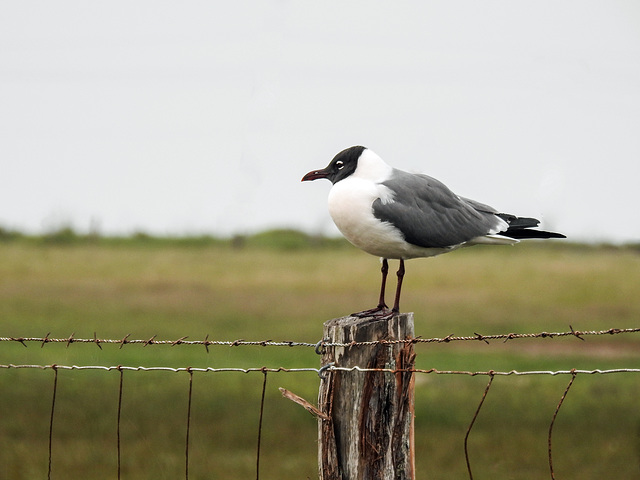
(397, 215)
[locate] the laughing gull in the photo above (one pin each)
(398, 215)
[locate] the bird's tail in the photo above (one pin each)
(522, 227)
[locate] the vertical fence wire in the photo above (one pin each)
(553, 420)
(264, 388)
(119, 459)
(53, 408)
(475, 416)
(186, 448)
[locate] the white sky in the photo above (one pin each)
(201, 116)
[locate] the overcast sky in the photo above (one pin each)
(202, 117)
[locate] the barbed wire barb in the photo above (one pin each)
(96, 341)
(124, 340)
(45, 339)
(577, 334)
(19, 340)
(481, 337)
(179, 341)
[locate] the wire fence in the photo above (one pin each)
(318, 346)
(573, 373)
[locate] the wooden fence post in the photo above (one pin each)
(369, 433)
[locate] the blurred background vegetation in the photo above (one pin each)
(282, 285)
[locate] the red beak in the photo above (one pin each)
(315, 174)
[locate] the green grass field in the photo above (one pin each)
(196, 289)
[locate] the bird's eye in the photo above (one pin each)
(340, 164)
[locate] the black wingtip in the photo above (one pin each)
(522, 228)
(524, 233)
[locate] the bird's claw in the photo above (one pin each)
(380, 312)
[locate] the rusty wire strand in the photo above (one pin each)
(53, 408)
(473, 421)
(186, 448)
(488, 373)
(118, 421)
(270, 343)
(553, 420)
(331, 368)
(264, 389)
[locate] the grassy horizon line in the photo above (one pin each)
(276, 238)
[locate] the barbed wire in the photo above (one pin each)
(317, 345)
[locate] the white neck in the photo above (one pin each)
(371, 167)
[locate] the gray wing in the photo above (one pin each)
(430, 215)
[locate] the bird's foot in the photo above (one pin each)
(381, 312)
(388, 315)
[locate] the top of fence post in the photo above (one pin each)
(369, 434)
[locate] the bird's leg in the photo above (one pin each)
(383, 284)
(400, 273)
(382, 307)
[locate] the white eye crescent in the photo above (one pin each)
(340, 164)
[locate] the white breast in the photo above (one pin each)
(350, 208)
